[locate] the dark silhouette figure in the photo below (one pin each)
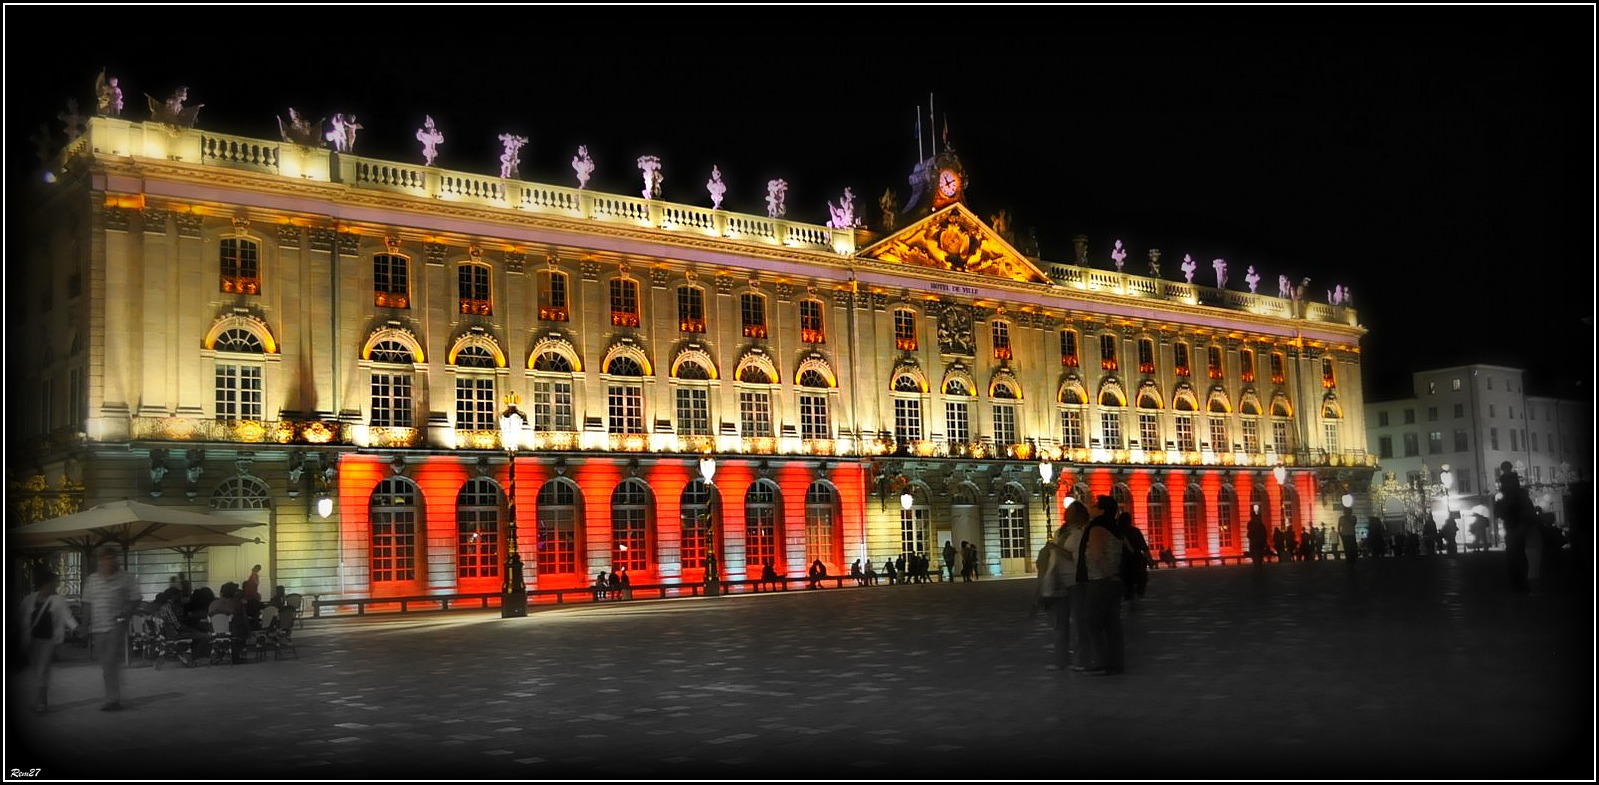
(1514, 508)
(1136, 561)
(1450, 533)
(1256, 533)
(768, 577)
(1346, 537)
(817, 573)
(949, 560)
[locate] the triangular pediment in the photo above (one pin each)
(955, 239)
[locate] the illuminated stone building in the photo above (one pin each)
(258, 325)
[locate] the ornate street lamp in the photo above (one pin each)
(513, 592)
(713, 575)
(1046, 476)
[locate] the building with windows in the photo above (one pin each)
(325, 343)
(1471, 419)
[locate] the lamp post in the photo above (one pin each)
(513, 592)
(1280, 473)
(713, 576)
(1046, 477)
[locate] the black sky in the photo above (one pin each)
(1437, 161)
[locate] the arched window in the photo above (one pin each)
(697, 523)
(690, 309)
(475, 403)
(477, 529)
(822, 540)
(1073, 404)
(1148, 420)
(391, 281)
(1261, 503)
(755, 403)
(1110, 420)
(1330, 415)
(625, 396)
(630, 507)
(1249, 423)
(1159, 519)
(241, 493)
(553, 407)
(393, 368)
(916, 524)
(958, 411)
(760, 523)
(1290, 504)
(239, 375)
(1123, 496)
(557, 528)
(1013, 522)
(815, 419)
(1004, 396)
(472, 288)
(1194, 522)
(1184, 421)
(240, 265)
(396, 510)
(693, 399)
(907, 409)
(1226, 517)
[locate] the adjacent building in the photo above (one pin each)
(327, 343)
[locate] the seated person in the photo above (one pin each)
(871, 575)
(280, 597)
(232, 603)
(601, 586)
(855, 572)
(171, 625)
(194, 611)
(1168, 558)
(173, 591)
(817, 573)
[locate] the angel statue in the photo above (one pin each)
(1189, 266)
(343, 134)
(511, 159)
(108, 96)
(716, 187)
(844, 213)
(775, 191)
(583, 165)
(300, 132)
(1117, 255)
(1285, 288)
(1252, 278)
(430, 137)
(1221, 273)
(651, 167)
(172, 111)
(890, 207)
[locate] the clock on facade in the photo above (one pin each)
(949, 183)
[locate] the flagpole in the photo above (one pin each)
(918, 134)
(932, 123)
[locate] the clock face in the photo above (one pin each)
(948, 182)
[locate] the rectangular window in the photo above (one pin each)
(1454, 384)
(815, 423)
(1329, 436)
(391, 400)
(1068, 348)
(1435, 442)
(1410, 416)
(241, 266)
(1213, 366)
(1432, 414)
(907, 420)
(1279, 437)
(1251, 435)
(1385, 447)
(1412, 445)
(1001, 334)
(553, 302)
(474, 405)
(1460, 410)
(1012, 532)
(1535, 441)
(1493, 438)
(690, 309)
(557, 540)
(752, 309)
(1004, 424)
(1246, 366)
(391, 282)
(238, 389)
(624, 303)
(905, 329)
(1180, 358)
(1277, 373)
(958, 420)
(1149, 430)
(76, 400)
(1510, 412)
(1185, 432)
(1146, 355)
(1514, 445)
(552, 406)
(1110, 428)
(810, 316)
(1071, 428)
(625, 403)
(755, 413)
(1107, 352)
(46, 406)
(393, 545)
(1218, 434)
(1382, 419)
(472, 286)
(693, 411)
(1460, 440)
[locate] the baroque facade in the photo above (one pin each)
(259, 325)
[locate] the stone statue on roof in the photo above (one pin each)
(430, 137)
(1189, 266)
(511, 159)
(299, 131)
(651, 167)
(775, 191)
(107, 96)
(1285, 287)
(844, 213)
(1252, 278)
(1221, 273)
(172, 111)
(890, 207)
(1118, 255)
(583, 165)
(716, 187)
(343, 134)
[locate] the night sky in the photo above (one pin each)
(1436, 161)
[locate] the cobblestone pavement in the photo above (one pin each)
(1419, 669)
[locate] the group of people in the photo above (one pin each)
(1095, 561)
(614, 585)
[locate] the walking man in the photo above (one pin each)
(1346, 536)
(112, 595)
(949, 560)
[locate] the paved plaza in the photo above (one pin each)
(1425, 668)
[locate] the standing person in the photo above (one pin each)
(1135, 560)
(1256, 532)
(1450, 533)
(252, 593)
(949, 560)
(45, 619)
(1513, 506)
(111, 595)
(1346, 536)
(1099, 590)
(971, 558)
(1061, 562)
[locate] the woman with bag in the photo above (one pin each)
(45, 619)
(1057, 575)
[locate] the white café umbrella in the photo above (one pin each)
(127, 523)
(192, 543)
